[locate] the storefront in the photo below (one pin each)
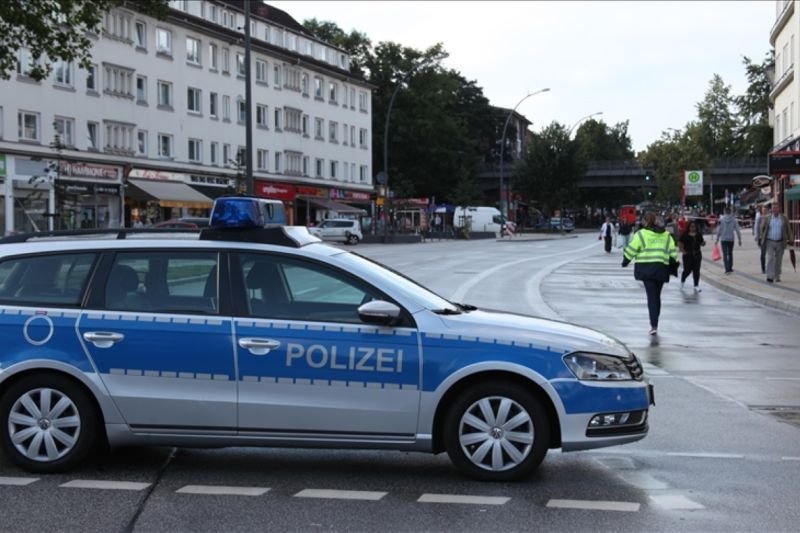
(284, 192)
(307, 204)
(153, 196)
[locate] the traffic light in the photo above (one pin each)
(647, 177)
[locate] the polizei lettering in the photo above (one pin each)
(356, 358)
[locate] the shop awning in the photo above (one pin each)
(793, 193)
(172, 193)
(330, 205)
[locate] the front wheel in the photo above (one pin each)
(352, 239)
(496, 431)
(48, 423)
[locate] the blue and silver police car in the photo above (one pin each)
(246, 336)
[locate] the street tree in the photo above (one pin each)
(599, 142)
(669, 156)
(52, 30)
(717, 122)
(551, 169)
(755, 135)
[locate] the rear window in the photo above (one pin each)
(48, 280)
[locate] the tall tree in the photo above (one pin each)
(356, 44)
(717, 121)
(755, 134)
(599, 142)
(551, 169)
(670, 156)
(53, 30)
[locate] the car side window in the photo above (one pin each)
(53, 280)
(291, 289)
(163, 282)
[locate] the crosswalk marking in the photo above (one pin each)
(674, 501)
(341, 494)
(104, 485)
(594, 505)
(223, 490)
(18, 481)
(707, 455)
(462, 498)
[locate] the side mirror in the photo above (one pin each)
(379, 312)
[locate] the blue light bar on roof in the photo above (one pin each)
(236, 213)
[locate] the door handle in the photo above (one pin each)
(258, 346)
(103, 339)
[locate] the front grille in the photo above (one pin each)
(635, 368)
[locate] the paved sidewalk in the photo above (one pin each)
(747, 281)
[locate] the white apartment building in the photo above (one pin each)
(153, 129)
(785, 97)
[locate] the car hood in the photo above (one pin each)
(560, 336)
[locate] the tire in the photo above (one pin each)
(481, 448)
(54, 441)
(353, 239)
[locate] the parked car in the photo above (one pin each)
(559, 223)
(242, 335)
(344, 230)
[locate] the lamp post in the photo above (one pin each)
(503, 143)
(581, 120)
(386, 126)
(248, 93)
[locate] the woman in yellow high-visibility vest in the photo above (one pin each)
(652, 248)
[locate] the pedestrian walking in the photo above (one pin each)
(653, 249)
(727, 227)
(777, 234)
(607, 233)
(625, 230)
(690, 243)
(762, 212)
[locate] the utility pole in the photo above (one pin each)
(248, 121)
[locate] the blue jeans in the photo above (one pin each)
(727, 255)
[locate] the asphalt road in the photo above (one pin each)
(715, 460)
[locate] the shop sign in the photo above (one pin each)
(156, 175)
(355, 196)
(211, 181)
(411, 202)
(2, 164)
(74, 169)
(693, 182)
(275, 191)
(303, 190)
(82, 187)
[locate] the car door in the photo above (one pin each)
(155, 332)
(307, 364)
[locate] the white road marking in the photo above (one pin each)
(104, 485)
(790, 458)
(642, 481)
(594, 505)
(220, 490)
(18, 481)
(341, 494)
(461, 498)
(675, 501)
(707, 455)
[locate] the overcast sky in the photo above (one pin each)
(642, 61)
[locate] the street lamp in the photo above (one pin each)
(503, 143)
(581, 120)
(385, 177)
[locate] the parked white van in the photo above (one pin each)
(480, 218)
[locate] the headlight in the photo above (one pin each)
(595, 367)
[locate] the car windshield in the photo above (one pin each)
(400, 283)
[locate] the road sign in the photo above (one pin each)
(381, 178)
(693, 182)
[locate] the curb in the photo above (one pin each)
(766, 302)
(537, 239)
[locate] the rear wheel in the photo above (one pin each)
(48, 423)
(496, 431)
(352, 239)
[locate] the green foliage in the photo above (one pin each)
(717, 121)
(598, 142)
(357, 44)
(755, 134)
(55, 30)
(670, 156)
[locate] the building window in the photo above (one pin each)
(212, 56)
(333, 131)
(193, 101)
(334, 169)
(163, 41)
(164, 145)
(352, 98)
(141, 89)
(64, 131)
(362, 137)
(213, 15)
(212, 152)
(319, 164)
(63, 73)
(278, 163)
(293, 162)
(212, 104)
(119, 137)
(261, 71)
(362, 101)
(117, 25)
(333, 92)
(141, 35)
(226, 107)
(118, 81)
(352, 136)
(92, 134)
(141, 142)
(195, 150)
(319, 125)
(226, 154)
(262, 159)
(91, 78)
(25, 62)
(305, 165)
(318, 88)
(239, 65)
(276, 81)
(242, 115)
(345, 170)
(261, 116)
(192, 51)
(292, 119)
(28, 126)
(344, 134)
(304, 126)
(304, 84)
(362, 173)
(164, 94)
(278, 118)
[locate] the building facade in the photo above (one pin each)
(785, 97)
(155, 128)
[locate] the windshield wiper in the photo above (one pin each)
(465, 307)
(447, 311)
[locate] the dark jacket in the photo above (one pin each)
(652, 253)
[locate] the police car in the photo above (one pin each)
(244, 336)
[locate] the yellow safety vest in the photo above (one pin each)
(649, 246)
